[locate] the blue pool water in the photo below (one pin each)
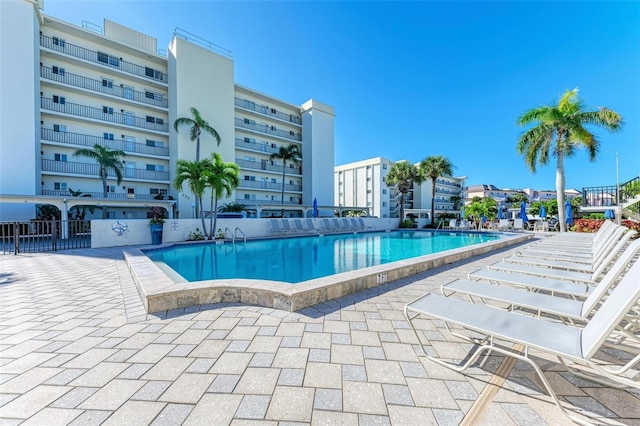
(294, 260)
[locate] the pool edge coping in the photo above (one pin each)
(160, 293)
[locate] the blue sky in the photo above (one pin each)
(413, 79)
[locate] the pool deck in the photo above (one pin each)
(77, 347)
(164, 290)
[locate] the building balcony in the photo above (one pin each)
(447, 183)
(99, 114)
(100, 195)
(148, 98)
(103, 59)
(81, 140)
(255, 146)
(266, 202)
(269, 130)
(274, 186)
(447, 191)
(269, 112)
(258, 165)
(86, 169)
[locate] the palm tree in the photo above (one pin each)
(197, 124)
(192, 173)
(560, 129)
(290, 153)
(222, 178)
(106, 159)
(232, 208)
(402, 175)
(433, 167)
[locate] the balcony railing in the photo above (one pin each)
(272, 112)
(100, 195)
(255, 146)
(266, 202)
(99, 114)
(94, 170)
(116, 144)
(257, 165)
(103, 59)
(150, 98)
(269, 185)
(444, 182)
(270, 130)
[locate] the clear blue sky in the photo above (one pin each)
(410, 80)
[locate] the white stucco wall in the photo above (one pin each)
(138, 232)
(19, 108)
(204, 80)
(317, 153)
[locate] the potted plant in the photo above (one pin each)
(156, 224)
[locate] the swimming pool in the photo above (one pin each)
(295, 260)
(163, 289)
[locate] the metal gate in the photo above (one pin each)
(44, 235)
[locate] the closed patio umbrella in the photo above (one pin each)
(500, 210)
(609, 214)
(315, 208)
(523, 212)
(569, 213)
(543, 212)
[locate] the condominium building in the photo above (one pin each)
(66, 87)
(491, 191)
(361, 184)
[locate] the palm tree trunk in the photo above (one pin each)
(212, 224)
(215, 213)
(560, 191)
(433, 202)
(198, 148)
(284, 163)
(204, 225)
(401, 206)
(103, 176)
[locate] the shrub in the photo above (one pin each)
(631, 224)
(196, 235)
(407, 223)
(586, 225)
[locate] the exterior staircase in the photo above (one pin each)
(626, 196)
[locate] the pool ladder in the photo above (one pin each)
(234, 234)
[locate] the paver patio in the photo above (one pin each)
(77, 348)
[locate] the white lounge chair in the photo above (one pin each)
(298, 226)
(355, 225)
(286, 227)
(504, 225)
(574, 347)
(275, 227)
(518, 225)
(363, 225)
(346, 225)
(311, 228)
(453, 224)
(328, 225)
(561, 306)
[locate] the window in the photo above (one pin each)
(150, 119)
(107, 83)
(60, 186)
(248, 104)
(384, 204)
(149, 95)
(111, 188)
(151, 167)
(159, 121)
(155, 74)
(108, 136)
(59, 128)
(368, 191)
(103, 57)
(246, 197)
(273, 111)
(251, 122)
(384, 191)
(384, 167)
(368, 179)
(108, 59)
(157, 191)
(58, 99)
(58, 41)
(57, 70)
(60, 157)
(107, 110)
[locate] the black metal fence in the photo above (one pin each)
(38, 236)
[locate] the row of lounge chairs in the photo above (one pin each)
(570, 296)
(317, 226)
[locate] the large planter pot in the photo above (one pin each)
(156, 233)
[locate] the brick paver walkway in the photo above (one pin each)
(77, 348)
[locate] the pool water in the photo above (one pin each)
(294, 260)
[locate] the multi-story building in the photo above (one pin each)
(491, 191)
(361, 184)
(66, 88)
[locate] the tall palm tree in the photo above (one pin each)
(402, 175)
(222, 178)
(196, 125)
(290, 153)
(559, 129)
(107, 159)
(192, 173)
(433, 167)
